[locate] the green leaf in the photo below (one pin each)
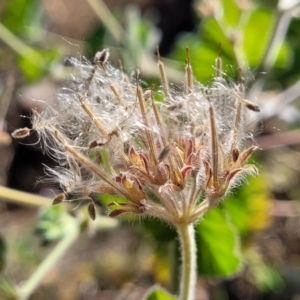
(249, 206)
(18, 15)
(284, 57)
(214, 35)
(217, 245)
(204, 50)
(157, 293)
(31, 71)
(256, 35)
(54, 223)
(232, 12)
(37, 63)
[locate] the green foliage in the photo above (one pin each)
(54, 223)
(240, 215)
(32, 69)
(231, 12)
(23, 19)
(19, 15)
(249, 206)
(255, 40)
(218, 245)
(8, 289)
(159, 230)
(243, 42)
(157, 293)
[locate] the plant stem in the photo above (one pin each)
(278, 34)
(19, 47)
(45, 267)
(107, 19)
(188, 268)
(23, 198)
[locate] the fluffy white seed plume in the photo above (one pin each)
(171, 159)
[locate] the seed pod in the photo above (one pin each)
(101, 57)
(126, 147)
(92, 210)
(174, 106)
(198, 131)
(21, 133)
(93, 144)
(162, 173)
(219, 63)
(164, 153)
(235, 154)
(252, 106)
(59, 198)
(98, 157)
(147, 95)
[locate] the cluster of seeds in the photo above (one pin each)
(171, 153)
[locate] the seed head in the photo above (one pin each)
(172, 159)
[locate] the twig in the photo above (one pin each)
(12, 195)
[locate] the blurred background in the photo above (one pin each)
(249, 247)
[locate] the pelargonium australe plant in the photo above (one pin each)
(172, 159)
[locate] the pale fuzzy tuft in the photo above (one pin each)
(109, 136)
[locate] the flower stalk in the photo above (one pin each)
(188, 267)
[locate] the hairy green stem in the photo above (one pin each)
(188, 268)
(51, 260)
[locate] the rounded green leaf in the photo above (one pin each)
(217, 245)
(157, 293)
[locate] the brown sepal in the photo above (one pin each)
(116, 212)
(162, 173)
(185, 171)
(246, 154)
(233, 173)
(252, 106)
